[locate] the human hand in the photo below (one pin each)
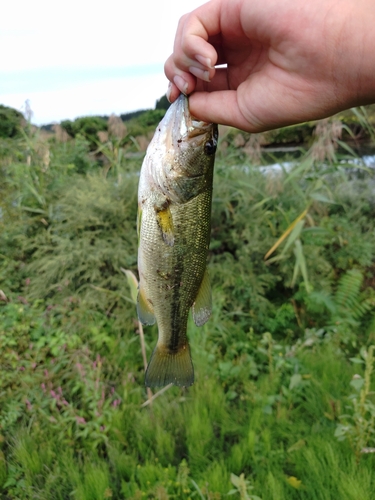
(287, 61)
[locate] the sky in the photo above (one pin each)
(78, 57)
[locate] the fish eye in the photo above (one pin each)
(210, 147)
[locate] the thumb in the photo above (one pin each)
(222, 107)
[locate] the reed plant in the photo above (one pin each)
(282, 407)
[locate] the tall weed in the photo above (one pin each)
(272, 364)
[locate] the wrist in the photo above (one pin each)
(358, 54)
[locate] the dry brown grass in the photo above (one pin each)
(327, 133)
(253, 148)
(116, 127)
(60, 134)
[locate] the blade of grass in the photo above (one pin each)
(301, 264)
(156, 395)
(286, 233)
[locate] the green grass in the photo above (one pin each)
(274, 365)
(198, 438)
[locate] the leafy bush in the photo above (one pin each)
(291, 263)
(88, 127)
(162, 103)
(359, 425)
(10, 121)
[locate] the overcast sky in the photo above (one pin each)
(78, 57)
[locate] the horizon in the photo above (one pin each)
(90, 82)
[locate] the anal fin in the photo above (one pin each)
(202, 306)
(167, 367)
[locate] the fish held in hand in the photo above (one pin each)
(174, 224)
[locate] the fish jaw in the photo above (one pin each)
(174, 164)
(178, 124)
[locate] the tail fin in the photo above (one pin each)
(166, 367)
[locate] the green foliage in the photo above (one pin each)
(87, 240)
(359, 425)
(51, 370)
(295, 134)
(151, 117)
(10, 121)
(67, 125)
(272, 364)
(162, 103)
(145, 122)
(345, 308)
(133, 114)
(88, 127)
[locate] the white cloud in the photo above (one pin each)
(44, 35)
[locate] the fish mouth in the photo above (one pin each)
(198, 127)
(179, 125)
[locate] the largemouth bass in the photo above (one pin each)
(174, 223)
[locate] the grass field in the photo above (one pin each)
(283, 406)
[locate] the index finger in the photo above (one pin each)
(192, 47)
(193, 32)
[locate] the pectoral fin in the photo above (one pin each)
(144, 309)
(165, 222)
(202, 306)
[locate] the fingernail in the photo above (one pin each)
(169, 90)
(181, 84)
(200, 73)
(205, 61)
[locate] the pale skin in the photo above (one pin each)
(288, 61)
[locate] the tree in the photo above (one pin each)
(87, 126)
(162, 103)
(10, 121)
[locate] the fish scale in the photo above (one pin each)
(175, 193)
